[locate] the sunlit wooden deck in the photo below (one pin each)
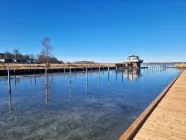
(168, 118)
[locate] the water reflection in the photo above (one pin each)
(70, 88)
(87, 86)
(132, 74)
(10, 103)
(91, 116)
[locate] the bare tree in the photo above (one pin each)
(31, 57)
(7, 55)
(46, 50)
(16, 52)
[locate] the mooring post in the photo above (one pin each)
(9, 91)
(14, 73)
(70, 74)
(9, 82)
(116, 68)
(86, 74)
(108, 72)
(15, 76)
(99, 72)
(46, 76)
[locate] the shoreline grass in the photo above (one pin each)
(16, 66)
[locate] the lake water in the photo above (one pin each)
(75, 108)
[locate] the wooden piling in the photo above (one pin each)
(99, 72)
(9, 91)
(86, 74)
(46, 76)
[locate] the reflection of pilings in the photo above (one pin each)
(70, 88)
(10, 103)
(35, 76)
(122, 76)
(98, 82)
(108, 81)
(87, 86)
(116, 75)
(64, 71)
(51, 75)
(47, 94)
(9, 92)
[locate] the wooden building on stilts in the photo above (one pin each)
(132, 61)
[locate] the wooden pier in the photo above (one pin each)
(165, 117)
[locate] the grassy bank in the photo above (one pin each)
(3, 66)
(180, 66)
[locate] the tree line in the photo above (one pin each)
(44, 56)
(17, 56)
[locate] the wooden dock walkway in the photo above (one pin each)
(165, 118)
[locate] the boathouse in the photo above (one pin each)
(132, 61)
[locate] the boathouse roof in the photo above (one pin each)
(133, 56)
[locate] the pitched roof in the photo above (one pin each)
(132, 56)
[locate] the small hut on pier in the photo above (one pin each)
(132, 61)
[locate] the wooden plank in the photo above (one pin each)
(168, 120)
(131, 131)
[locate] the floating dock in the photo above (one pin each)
(165, 117)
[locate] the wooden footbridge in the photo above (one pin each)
(165, 117)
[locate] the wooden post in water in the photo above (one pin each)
(15, 76)
(108, 72)
(70, 75)
(9, 91)
(99, 72)
(86, 74)
(46, 76)
(9, 82)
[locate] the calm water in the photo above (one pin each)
(82, 109)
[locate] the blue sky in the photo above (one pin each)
(98, 30)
